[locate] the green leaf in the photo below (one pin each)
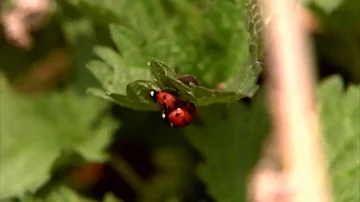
(230, 140)
(160, 71)
(137, 92)
(35, 129)
(340, 117)
(123, 74)
(103, 73)
(182, 38)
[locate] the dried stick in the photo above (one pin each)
(291, 95)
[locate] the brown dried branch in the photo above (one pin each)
(292, 103)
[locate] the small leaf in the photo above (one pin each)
(160, 71)
(183, 90)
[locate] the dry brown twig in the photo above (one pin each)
(292, 103)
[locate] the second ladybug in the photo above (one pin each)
(181, 117)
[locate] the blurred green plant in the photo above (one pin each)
(35, 129)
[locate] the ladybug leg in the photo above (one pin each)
(165, 108)
(165, 119)
(153, 94)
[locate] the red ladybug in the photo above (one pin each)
(168, 101)
(181, 116)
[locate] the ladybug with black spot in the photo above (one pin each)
(167, 100)
(181, 116)
(176, 112)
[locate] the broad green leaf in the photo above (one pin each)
(340, 118)
(182, 38)
(35, 129)
(230, 141)
(210, 44)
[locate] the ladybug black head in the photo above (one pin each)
(153, 94)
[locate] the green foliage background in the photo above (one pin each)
(100, 138)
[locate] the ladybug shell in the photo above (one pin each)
(166, 100)
(181, 116)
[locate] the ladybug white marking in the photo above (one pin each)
(152, 93)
